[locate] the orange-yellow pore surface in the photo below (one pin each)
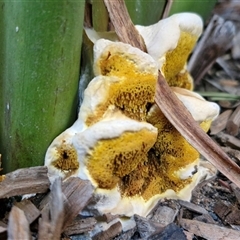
(131, 94)
(148, 165)
(176, 60)
(112, 159)
(66, 159)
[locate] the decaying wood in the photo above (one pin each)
(76, 194)
(80, 225)
(29, 209)
(126, 235)
(3, 230)
(236, 191)
(18, 227)
(25, 181)
(123, 25)
(228, 213)
(147, 227)
(193, 207)
(216, 40)
(108, 217)
(165, 212)
(206, 218)
(221, 122)
(50, 225)
(171, 231)
(171, 106)
(234, 153)
(229, 140)
(233, 123)
(209, 231)
(110, 233)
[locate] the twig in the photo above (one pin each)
(124, 27)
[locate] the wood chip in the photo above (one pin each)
(228, 213)
(189, 236)
(108, 217)
(221, 122)
(229, 140)
(147, 227)
(50, 226)
(209, 231)
(110, 233)
(29, 209)
(76, 194)
(206, 218)
(126, 235)
(25, 181)
(216, 40)
(236, 191)
(166, 212)
(171, 231)
(3, 230)
(80, 225)
(234, 153)
(18, 227)
(234, 122)
(193, 207)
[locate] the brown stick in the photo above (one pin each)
(124, 28)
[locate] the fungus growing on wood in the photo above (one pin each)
(121, 141)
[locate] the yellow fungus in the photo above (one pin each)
(170, 42)
(126, 80)
(122, 142)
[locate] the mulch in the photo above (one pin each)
(30, 210)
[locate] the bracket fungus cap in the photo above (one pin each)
(110, 149)
(164, 35)
(125, 57)
(61, 156)
(170, 42)
(126, 80)
(200, 109)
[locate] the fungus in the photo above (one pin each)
(61, 156)
(111, 149)
(121, 141)
(170, 42)
(126, 78)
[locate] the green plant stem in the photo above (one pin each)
(40, 48)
